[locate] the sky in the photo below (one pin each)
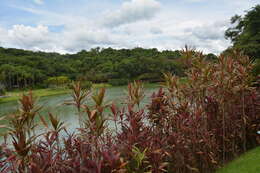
(68, 26)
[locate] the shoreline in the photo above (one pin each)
(15, 95)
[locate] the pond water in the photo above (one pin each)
(54, 104)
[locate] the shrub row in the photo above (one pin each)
(194, 126)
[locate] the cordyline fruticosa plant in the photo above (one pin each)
(194, 126)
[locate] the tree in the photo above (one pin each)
(245, 34)
(58, 81)
(27, 69)
(2, 87)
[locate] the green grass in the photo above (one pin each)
(15, 95)
(101, 85)
(183, 80)
(246, 163)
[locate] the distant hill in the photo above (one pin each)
(22, 68)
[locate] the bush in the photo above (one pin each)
(256, 69)
(118, 82)
(97, 77)
(151, 77)
(86, 84)
(41, 85)
(194, 126)
(58, 81)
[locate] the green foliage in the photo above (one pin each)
(86, 84)
(59, 81)
(151, 77)
(212, 57)
(27, 69)
(245, 34)
(2, 89)
(256, 69)
(138, 158)
(118, 82)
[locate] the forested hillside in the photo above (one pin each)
(22, 68)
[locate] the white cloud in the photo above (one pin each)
(29, 37)
(132, 11)
(158, 33)
(211, 31)
(156, 30)
(3, 37)
(205, 36)
(84, 37)
(70, 40)
(135, 23)
(174, 34)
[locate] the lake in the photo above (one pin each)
(54, 104)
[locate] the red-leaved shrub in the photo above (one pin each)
(194, 126)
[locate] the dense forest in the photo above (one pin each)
(23, 68)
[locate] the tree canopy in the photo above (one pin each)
(245, 33)
(23, 68)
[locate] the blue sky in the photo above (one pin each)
(68, 26)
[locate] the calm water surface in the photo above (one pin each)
(54, 104)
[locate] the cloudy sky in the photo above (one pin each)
(68, 26)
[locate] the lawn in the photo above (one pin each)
(246, 163)
(15, 95)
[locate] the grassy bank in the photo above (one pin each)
(247, 163)
(15, 95)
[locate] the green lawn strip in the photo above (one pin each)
(246, 163)
(13, 96)
(101, 85)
